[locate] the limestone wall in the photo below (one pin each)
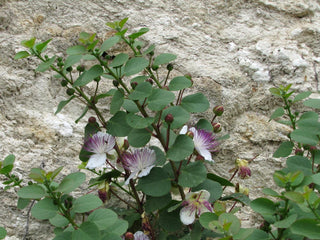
(235, 51)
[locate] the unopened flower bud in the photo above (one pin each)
(80, 68)
(243, 168)
(243, 190)
(138, 47)
(92, 120)
(151, 53)
(134, 84)
(190, 134)
(312, 149)
(165, 88)
(126, 144)
(70, 91)
(149, 80)
(97, 79)
(169, 67)
(64, 83)
(129, 236)
(199, 158)
(59, 59)
(169, 118)
(69, 69)
(298, 151)
(102, 193)
(216, 127)
(115, 83)
(155, 67)
(218, 110)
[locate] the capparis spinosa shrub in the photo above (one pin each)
(164, 183)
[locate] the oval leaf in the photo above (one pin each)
(284, 149)
(44, 209)
(164, 58)
(71, 182)
(135, 65)
(159, 99)
(31, 192)
(192, 174)
(195, 103)
(88, 76)
(86, 203)
(179, 83)
(181, 148)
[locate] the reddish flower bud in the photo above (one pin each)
(165, 88)
(218, 110)
(312, 149)
(134, 84)
(92, 120)
(199, 158)
(298, 151)
(102, 193)
(129, 236)
(126, 144)
(149, 80)
(216, 127)
(243, 168)
(169, 118)
(190, 134)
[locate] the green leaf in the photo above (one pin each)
(195, 103)
(138, 122)
(305, 136)
(23, 203)
(59, 221)
(139, 33)
(157, 203)
(20, 55)
(130, 106)
(31, 192)
(179, 83)
(180, 116)
(9, 160)
(159, 99)
(40, 47)
(306, 227)
(284, 149)
(204, 124)
(71, 182)
(212, 187)
(87, 231)
(103, 218)
(193, 174)
(301, 96)
(308, 116)
(156, 184)
(287, 222)
(139, 137)
(142, 91)
(28, 43)
(222, 181)
(88, 76)
(64, 236)
(277, 113)
(251, 234)
(135, 65)
(45, 65)
(123, 22)
(76, 50)
(239, 197)
(62, 104)
(149, 49)
(170, 221)
(37, 175)
(181, 148)
(270, 192)
(71, 60)
(119, 60)
(206, 218)
(86, 203)
(85, 110)
(234, 226)
(3, 233)
(44, 209)
(161, 158)
(299, 163)
(263, 206)
(139, 79)
(109, 43)
(294, 196)
(313, 103)
(275, 92)
(164, 58)
(119, 227)
(116, 102)
(117, 125)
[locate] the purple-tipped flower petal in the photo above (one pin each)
(139, 163)
(99, 144)
(243, 168)
(140, 236)
(204, 142)
(195, 204)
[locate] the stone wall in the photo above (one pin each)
(235, 51)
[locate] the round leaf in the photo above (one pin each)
(164, 58)
(170, 221)
(181, 148)
(159, 99)
(87, 231)
(212, 187)
(103, 218)
(157, 203)
(306, 227)
(179, 83)
(284, 150)
(88, 76)
(71, 182)
(313, 103)
(156, 184)
(86, 203)
(118, 126)
(263, 206)
(139, 137)
(180, 116)
(192, 174)
(119, 60)
(142, 91)
(299, 163)
(138, 122)
(44, 209)
(59, 221)
(195, 103)
(135, 65)
(31, 192)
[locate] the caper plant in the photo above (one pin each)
(164, 184)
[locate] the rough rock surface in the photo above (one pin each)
(235, 51)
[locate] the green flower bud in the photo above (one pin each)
(59, 59)
(134, 84)
(115, 83)
(97, 79)
(151, 53)
(218, 110)
(70, 91)
(64, 83)
(169, 118)
(80, 68)
(216, 127)
(69, 69)
(169, 67)
(149, 80)
(92, 120)
(155, 67)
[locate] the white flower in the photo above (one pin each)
(204, 141)
(100, 144)
(139, 163)
(140, 236)
(195, 204)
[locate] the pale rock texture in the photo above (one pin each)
(235, 51)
